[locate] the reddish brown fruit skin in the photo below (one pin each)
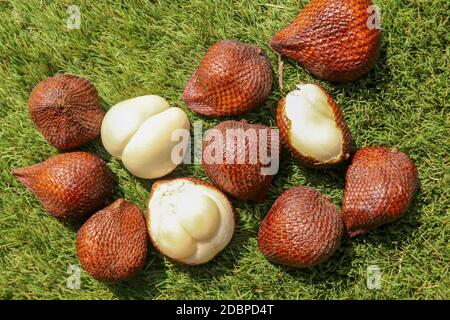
(112, 244)
(70, 185)
(302, 229)
(241, 180)
(331, 39)
(284, 125)
(233, 78)
(194, 180)
(66, 109)
(380, 186)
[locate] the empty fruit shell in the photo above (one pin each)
(233, 78)
(143, 133)
(66, 109)
(302, 229)
(112, 244)
(188, 220)
(313, 127)
(380, 186)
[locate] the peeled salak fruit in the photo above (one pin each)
(188, 220)
(148, 135)
(313, 128)
(233, 78)
(380, 186)
(66, 109)
(112, 244)
(241, 158)
(69, 185)
(336, 40)
(302, 229)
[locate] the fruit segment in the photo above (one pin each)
(143, 132)
(312, 127)
(188, 220)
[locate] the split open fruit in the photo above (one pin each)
(313, 127)
(148, 135)
(189, 220)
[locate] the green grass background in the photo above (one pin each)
(134, 48)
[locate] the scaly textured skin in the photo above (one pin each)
(283, 124)
(331, 39)
(66, 109)
(232, 79)
(69, 185)
(112, 244)
(302, 229)
(241, 180)
(380, 186)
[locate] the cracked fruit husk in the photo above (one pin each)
(313, 128)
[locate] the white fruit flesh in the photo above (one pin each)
(189, 222)
(313, 128)
(139, 132)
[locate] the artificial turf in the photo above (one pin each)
(134, 48)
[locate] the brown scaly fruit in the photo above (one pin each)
(336, 40)
(188, 220)
(312, 127)
(69, 185)
(302, 229)
(233, 158)
(112, 244)
(380, 186)
(233, 78)
(66, 109)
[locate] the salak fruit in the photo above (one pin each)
(69, 185)
(380, 186)
(313, 127)
(302, 229)
(66, 109)
(241, 159)
(233, 78)
(148, 135)
(112, 244)
(336, 40)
